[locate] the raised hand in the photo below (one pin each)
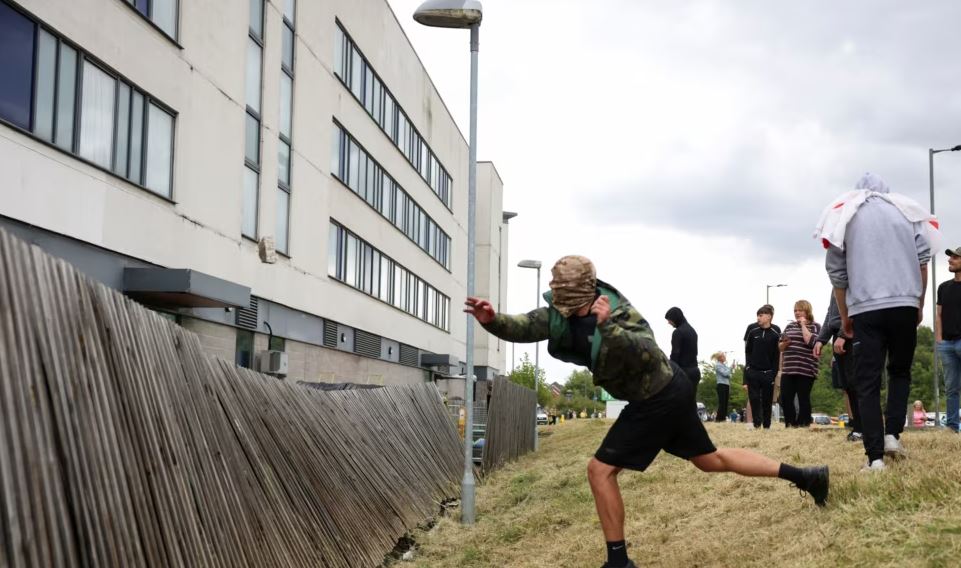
(482, 310)
(602, 309)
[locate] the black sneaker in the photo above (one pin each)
(816, 482)
(630, 564)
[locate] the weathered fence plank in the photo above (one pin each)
(510, 423)
(123, 444)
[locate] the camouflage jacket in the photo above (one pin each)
(625, 359)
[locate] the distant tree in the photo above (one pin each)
(524, 375)
(922, 371)
(824, 397)
(581, 383)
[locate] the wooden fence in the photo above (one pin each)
(510, 423)
(123, 444)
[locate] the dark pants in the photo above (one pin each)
(760, 392)
(723, 393)
(694, 375)
(846, 367)
(800, 386)
(890, 334)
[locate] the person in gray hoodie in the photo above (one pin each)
(879, 274)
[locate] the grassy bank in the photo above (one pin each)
(539, 511)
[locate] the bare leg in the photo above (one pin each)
(847, 405)
(737, 460)
(607, 498)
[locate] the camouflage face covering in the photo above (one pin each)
(574, 284)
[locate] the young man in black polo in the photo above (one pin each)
(761, 356)
(589, 323)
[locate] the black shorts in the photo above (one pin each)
(667, 421)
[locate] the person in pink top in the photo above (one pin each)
(919, 417)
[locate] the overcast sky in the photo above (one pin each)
(689, 147)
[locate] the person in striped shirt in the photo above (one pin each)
(799, 366)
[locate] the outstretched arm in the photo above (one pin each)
(523, 328)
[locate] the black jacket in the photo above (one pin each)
(760, 348)
(683, 341)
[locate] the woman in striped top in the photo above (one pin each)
(799, 366)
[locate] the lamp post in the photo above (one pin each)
(536, 265)
(934, 287)
(767, 291)
(464, 14)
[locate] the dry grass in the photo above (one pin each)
(539, 511)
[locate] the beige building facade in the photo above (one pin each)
(275, 175)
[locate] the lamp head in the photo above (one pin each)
(449, 13)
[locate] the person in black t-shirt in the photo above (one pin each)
(750, 417)
(684, 345)
(947, 335)
(762, 357)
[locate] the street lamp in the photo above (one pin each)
(767, 291)
(463, 14)
(934, 286)
(536, 265)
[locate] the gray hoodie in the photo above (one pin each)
(882, 256)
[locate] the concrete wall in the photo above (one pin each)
(491, 262)
(218, 340)
(310, 363)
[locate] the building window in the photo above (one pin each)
(163, 13)
(16, 62)
(252, 92)
(356, 263)
(244, 348)
(357, 170)
(284, 151)
(64, 97)
(356, 73)
(96, 115)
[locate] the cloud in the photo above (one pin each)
(689, 147)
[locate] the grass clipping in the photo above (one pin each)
(538, 511)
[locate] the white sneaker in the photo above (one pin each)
(874, 466)
(750, 426)
(893, 447)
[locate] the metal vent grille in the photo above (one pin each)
(330, 334)
(366, 344)
(247, 317)
(409, 355)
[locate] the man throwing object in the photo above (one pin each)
(588, 322)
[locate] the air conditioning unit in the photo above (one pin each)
(273, 362)
(267, 250)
